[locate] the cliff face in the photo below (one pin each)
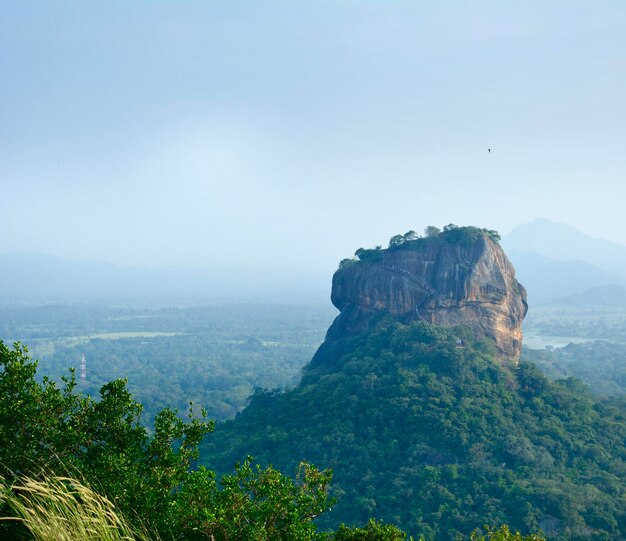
(441, 282)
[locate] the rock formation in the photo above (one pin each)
(450, 279)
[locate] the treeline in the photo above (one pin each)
(411, 240)
(591, 322)
(54, 321)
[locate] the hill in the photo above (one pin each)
(555, 260)
(428, 425)
(438, 437)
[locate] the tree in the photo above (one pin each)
(396, 240)
(493, 235)
(503, 534)
(46, 431)
(431, 231)
(374, 531)
(371, 254)
(44, 428)
(254, 504)
(35, 418)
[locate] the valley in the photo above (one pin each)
(214, 356)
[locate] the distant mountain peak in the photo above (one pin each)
(563, 242)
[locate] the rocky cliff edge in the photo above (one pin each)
(458, 277)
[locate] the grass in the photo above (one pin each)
(62, 509)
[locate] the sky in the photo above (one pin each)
(285, 135)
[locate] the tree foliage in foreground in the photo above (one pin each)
(46, 430)
(46, 427)
(503, 534)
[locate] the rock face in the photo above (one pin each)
(441, 282)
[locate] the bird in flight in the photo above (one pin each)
(489, 150)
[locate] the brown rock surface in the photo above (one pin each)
(441, 282)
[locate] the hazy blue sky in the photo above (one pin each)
(288, 134)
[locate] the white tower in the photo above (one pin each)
(83, 369)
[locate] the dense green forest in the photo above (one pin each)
(436, 437)
(600, 364)
(72, 467)
(213, 356)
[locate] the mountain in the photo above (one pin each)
(44, 278)
(554, 260)
(609, 296)
(547, 279)
(423, 424)
(564, 243)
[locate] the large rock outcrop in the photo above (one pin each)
(447, 280)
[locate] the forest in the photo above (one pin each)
(74, 467)
(582, 361)
(435, 437)
(213, 356)
(462, 441)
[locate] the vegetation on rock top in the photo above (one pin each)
(410, 240)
